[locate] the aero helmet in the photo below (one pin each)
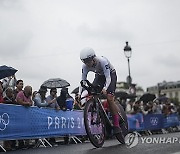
(87, 54)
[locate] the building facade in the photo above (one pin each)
(171, 89)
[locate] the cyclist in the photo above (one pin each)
(105, 76)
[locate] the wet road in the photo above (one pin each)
(113, 147)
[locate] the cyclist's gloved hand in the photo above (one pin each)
(104, 92)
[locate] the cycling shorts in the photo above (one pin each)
(100, 80)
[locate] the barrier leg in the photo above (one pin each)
(74, 138)
(149, 132)
(138, 134)
(47, 142)
(178, 128)
(3, 148)
(42, 141)
(164, 131)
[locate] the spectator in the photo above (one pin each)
(1, 93)
(9, 99)
(129, 107)
(69, 100)
(51, 99)
(136, 107)
(9, 82)
(40, 98)
(19, 87)
(142, 108)
(24, 98)
(157, 107)
(61, 100)
(34, 94)
(149, 107)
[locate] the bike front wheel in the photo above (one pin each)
(94, 124)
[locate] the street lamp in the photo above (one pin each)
(127, 53)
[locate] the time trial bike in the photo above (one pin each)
(97, 121)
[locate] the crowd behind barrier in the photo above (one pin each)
(19, 122)
(140, 122)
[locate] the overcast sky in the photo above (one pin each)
(43, 38)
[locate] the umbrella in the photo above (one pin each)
(124, 95)
(163, 99)
(75, 91)
(6, 71)
(121, 94)
(55, 83)
(147, 97)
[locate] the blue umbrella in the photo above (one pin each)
(6, 71)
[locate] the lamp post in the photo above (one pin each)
(127, 53)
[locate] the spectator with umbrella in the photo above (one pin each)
(7, 73)
(40, 98)
(51, 99)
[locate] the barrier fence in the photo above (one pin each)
(140, 122)
(19, 122)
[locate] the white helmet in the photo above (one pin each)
(87, 54)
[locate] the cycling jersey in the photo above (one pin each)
(102, 66)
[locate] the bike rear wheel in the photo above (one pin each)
(123, 125)
(94, 124)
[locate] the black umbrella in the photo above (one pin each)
(147, 97)
(6, 71)
(124, 95)
(75, 91)
(121, 94)
(55, 83)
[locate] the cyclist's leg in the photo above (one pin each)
(114, 109)
(100, 80)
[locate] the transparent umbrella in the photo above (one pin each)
(55, 83)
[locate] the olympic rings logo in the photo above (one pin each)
(4, 121)
(154, 121)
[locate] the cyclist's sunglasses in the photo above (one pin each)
(87, 60)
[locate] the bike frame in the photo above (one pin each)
(100, 106)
